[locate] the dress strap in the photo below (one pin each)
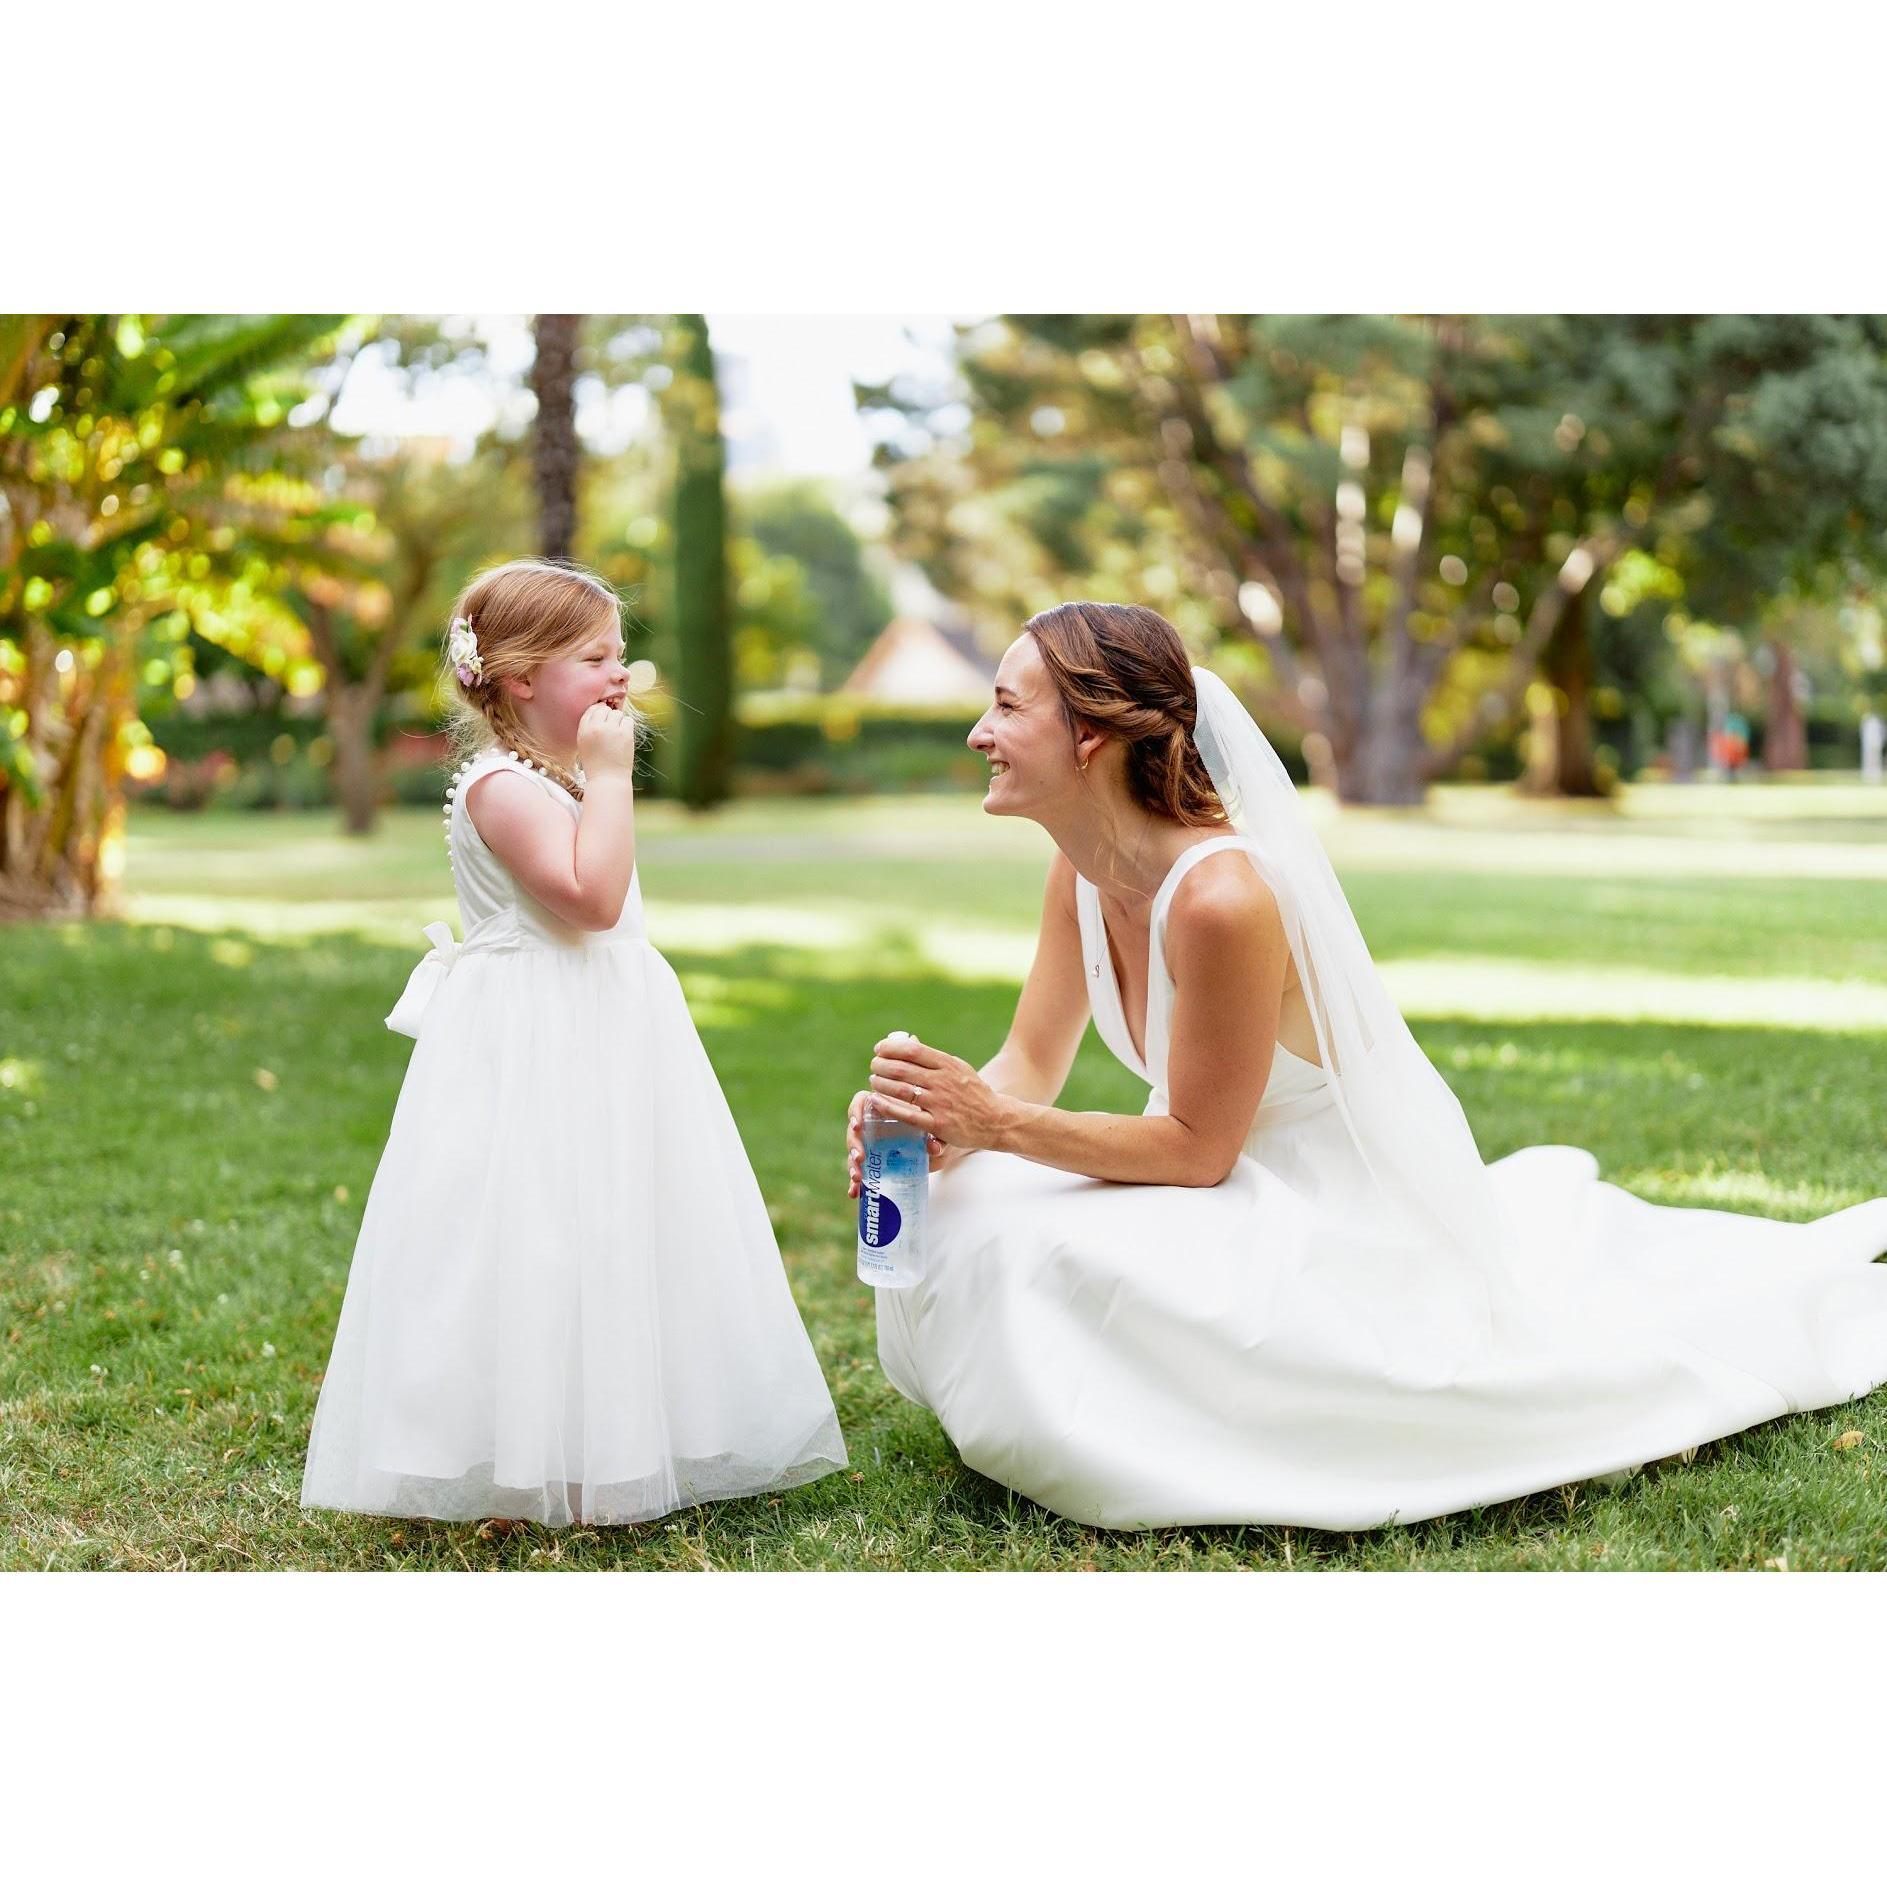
(1159, 977)
(1163, 898)
(1103, 990)
(492, 760)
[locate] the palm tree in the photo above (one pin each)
(128, 445)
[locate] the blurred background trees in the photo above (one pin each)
(1559, 550)
(1397, 528)
(810, 604)
(141, 483)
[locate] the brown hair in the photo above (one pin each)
(523, 613)
(1123, 669)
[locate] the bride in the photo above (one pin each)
(1290, 1291)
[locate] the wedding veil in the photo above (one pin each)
(1404, 1118)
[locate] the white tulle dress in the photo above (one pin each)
(1259, 1351)
(566, 1302)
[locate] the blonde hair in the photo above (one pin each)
(523, 613)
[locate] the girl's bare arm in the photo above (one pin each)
(581, 870)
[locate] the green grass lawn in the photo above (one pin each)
(193, 1099)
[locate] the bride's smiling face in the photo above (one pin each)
(1024, 736)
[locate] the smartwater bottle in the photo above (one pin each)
(894, 1188)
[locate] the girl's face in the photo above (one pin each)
(563, 688)
(1024, 736)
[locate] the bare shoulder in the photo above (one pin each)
(1223, 902)
(503, 800)
(501, 786)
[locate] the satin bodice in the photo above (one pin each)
(1295, 1087)
(495, 911)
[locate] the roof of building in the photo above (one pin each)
(914, 657)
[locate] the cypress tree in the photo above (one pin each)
(704, 680)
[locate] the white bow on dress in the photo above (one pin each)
(424, 983)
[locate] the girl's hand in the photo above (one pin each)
(606, 739)
(937, 1092)
(855, 1146)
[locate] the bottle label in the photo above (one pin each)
(879, 1220)
(891, 1200)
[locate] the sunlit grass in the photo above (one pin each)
(192, 1104)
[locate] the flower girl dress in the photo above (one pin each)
(566, 1302)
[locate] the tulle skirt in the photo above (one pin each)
(1254, 1352)
(566, 1302)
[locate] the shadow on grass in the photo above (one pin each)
(191, 1122)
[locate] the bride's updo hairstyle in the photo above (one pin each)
(522, 614)
(1124, 670)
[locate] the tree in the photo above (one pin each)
(1397, 519)
(1779, 466)
(139, 456)
(556, 455)
(691, 412)
(409, 528)
(837, 604)
(422, 520)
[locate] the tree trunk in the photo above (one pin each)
(62, 858)
(555, 451)
(1388, 773)
(1785, 740)
(1569, 667)
(354, 773)
(704, 681)
(1559, 754)
(1387, 764)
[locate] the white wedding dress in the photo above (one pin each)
(566, 1301)
(1293, 1346)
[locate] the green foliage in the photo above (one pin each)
(117, 445)
(704, 665)
(141, 464)
(1388, 514)
(825, 599)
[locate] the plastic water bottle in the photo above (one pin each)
(894, 1188)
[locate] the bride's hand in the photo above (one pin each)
(940, 1155)
(940, 1093)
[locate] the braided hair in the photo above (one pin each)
(1123, 669)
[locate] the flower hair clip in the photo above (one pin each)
(462, 652)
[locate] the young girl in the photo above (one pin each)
(566, 1302)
